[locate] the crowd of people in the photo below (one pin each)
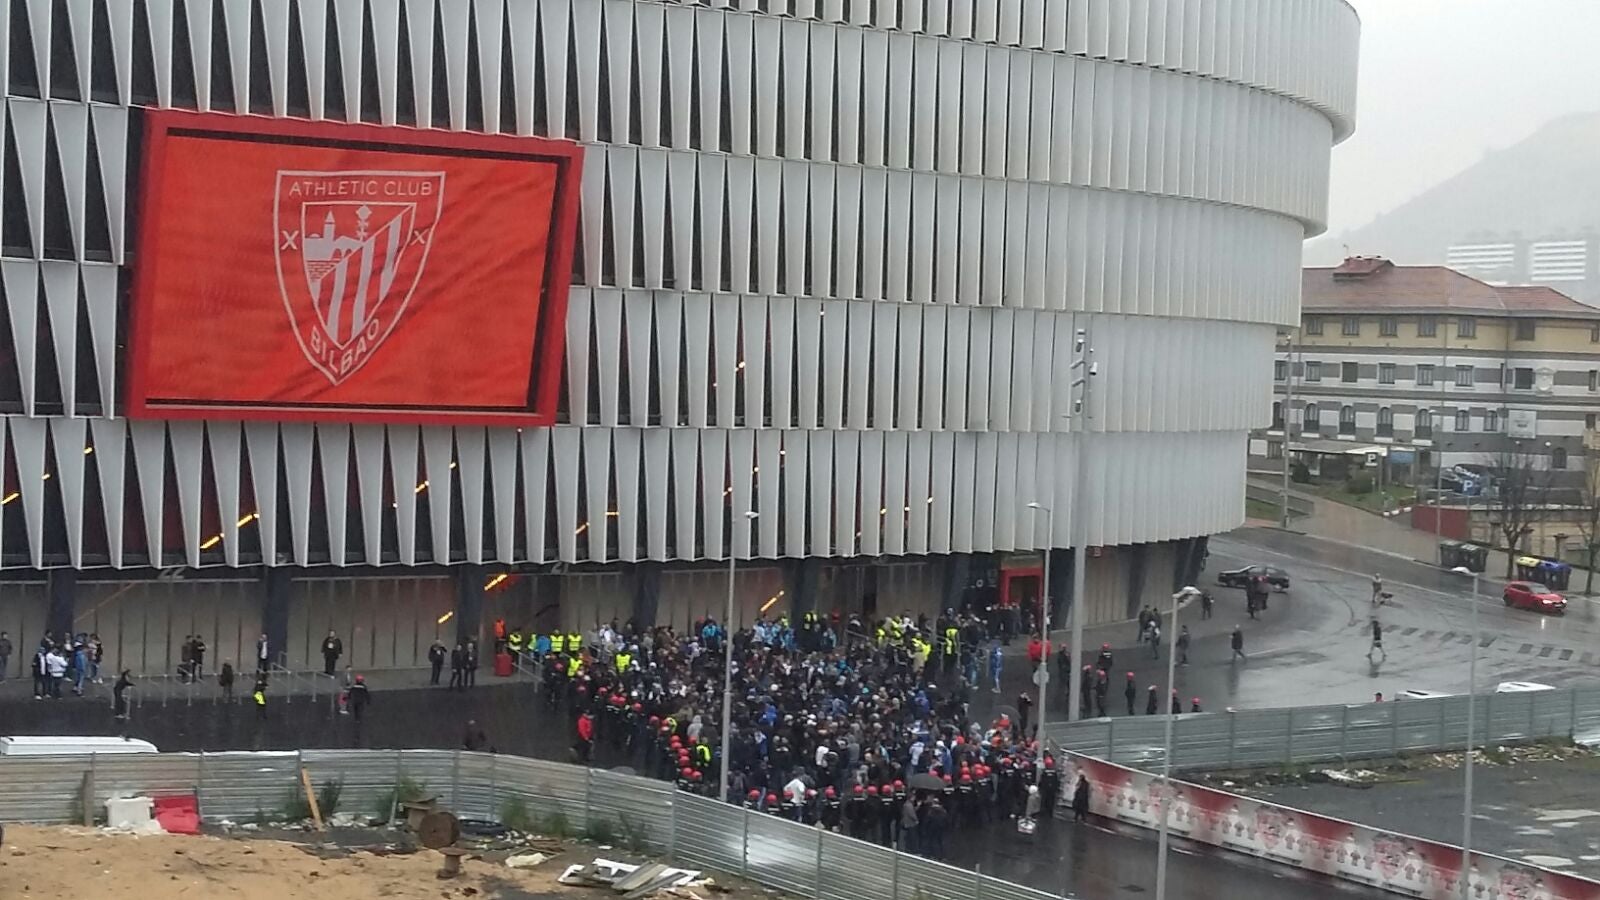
(864, 727)
(73, 659)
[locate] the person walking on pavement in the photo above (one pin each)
(56, 670)
(1104, 660)
(1177, 704)
(1238, 644)
(332, 649)
(1194, 705)
(5, 654)
(1377, 643)
(995, 663)
(436, 658)
(358, 697)
(1183, 646)
(119, 697)
(471, 679)
(1377, 587)
(225, 681)
(1153, 635)
(1102, 686)
(259, 695)
(1086, 692)
(458, 668)
(1131, 691)
(1024, 707)
(197, 655)
(1080, 799)
(263, 654)
(1152, 702)
(1205, 604)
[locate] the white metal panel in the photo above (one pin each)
(349, 21)
(369, 447)
(608, 356)
(685, 496)
(715, 491)
(470, 471)
(564, 447)
(808, 359)
(438, 452)
(657, 451)
(919, 492)
(835, 319)
(61, 305)
(223, 440)
(893, 512)
(297, 440)
(846, 456)
(27, 442)
(820, 464)
(741, 474)
(793, 455)
(503, 468)
(697, 366)
(68, 437)
(403, 441)
(333, 446)
(769, 479)
(594, 517)
(725, 346)
(869, 507)
(110, 458)
(859, 366)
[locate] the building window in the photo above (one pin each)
(1351, 326)
(1594, 380)
(1589, 421)
(1463, 376)
(1594, 333)
(1347, 419)
(1558, 457)
(1385, 422)
(1491, 421)
(1424, 375)
(1388, 327)
(1466, 327)
(1313, 324)
(1312, 418)
(1274, 450)
(1463, 420)
(1523, 379)
(1386, 373)
(1525, 328)
(1348, 372)
(1277, 416)
(1423, 428)
(1427, 326)
(1280, 369)
(1313, 371)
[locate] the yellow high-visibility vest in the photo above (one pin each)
(574, 641)
(623, 659)
(558, 642)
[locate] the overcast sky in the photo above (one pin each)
(1443, 81)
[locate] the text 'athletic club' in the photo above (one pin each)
(361, 240)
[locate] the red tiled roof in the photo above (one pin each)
(1371, 284)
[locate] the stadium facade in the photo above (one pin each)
(837, 264)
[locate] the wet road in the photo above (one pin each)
(1088, 862)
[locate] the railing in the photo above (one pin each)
(637, 813)
(1264, 737)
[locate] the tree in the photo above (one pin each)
(1523, 485)
(1589, 518)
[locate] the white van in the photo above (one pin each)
(69, 745)
(1520, 687)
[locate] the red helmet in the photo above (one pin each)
(638, 707)
(858, 789)
(810, 793)
(899, 785)
(771, 799)
(694, 776)
(948, 779)
(1130, 675)
(872, 790)
(755, 795)
(966, 777)
(361, 679)
(1105, 646)
(656, 720)
(829, 793)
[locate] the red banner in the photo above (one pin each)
(298, 270)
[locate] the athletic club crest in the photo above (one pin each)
(351, 247)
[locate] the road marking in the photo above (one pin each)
(1525, 649)
(1545, 651)
(1566, 654)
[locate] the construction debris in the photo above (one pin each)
(631, 881)
(526, 860)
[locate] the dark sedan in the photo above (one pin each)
(1276, 577)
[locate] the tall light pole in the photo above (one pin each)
(1084, 364)
(1472, 705)
(727, 667)
(1288, 412)
(1041, 675)
(1166, 753)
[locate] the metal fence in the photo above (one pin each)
(639, 812)
(1264, 737)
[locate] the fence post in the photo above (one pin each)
(1111, 740)
(455, 779)
(1572, 728)
(88, 791)
(894, 875)
(199, 786)
(1394, 728)
(1488, 720)
(588, 796)
(1533, 720)
(494, 806)
(977, 883)
(1288, 740)
(1233, 726)
(672, 825)
(744, 847)
(817, 884)
(1443, 742)
(1344, 733)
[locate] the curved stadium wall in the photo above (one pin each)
(831, 261)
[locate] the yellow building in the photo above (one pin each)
(1425, 366)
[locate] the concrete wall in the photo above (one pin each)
(383, 622)
(23, 608)
(143, 624)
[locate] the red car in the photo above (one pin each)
(1532, 595)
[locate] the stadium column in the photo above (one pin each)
(646, 593)
(1060, 587)
(957, 573)
(63, 587)
(800, 577)
(470, 580)
(275, 611)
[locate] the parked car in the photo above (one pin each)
(1276, 577)
(1535, 596)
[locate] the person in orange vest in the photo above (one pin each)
(499, 635)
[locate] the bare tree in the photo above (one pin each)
(1588, 517)
(1523, 482)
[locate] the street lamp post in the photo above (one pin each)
(1472, 705)
(1166, 753)
(1041, 675)
(1082, 359)
(727, 667)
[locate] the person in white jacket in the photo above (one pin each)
(56, 668)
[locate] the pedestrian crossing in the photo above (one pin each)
(1539, 651)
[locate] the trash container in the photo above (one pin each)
(502, 665)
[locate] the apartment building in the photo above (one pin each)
(1423, 365)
